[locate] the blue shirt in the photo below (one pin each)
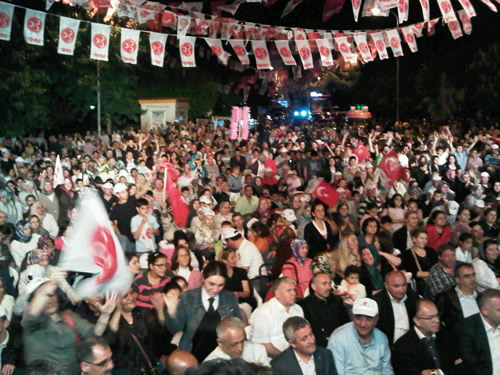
(352, 357)
(461, 159)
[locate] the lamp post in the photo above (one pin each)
(378, 12)
(98, 100)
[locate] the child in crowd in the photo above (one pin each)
(351, 284)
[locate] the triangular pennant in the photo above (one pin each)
(232, 8)
(216, 47)
(356, 6)
(169, 19)
(490, 5)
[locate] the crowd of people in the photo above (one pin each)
(397, 277)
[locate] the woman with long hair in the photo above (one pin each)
(181, 266)
(487, 266)
(347, 253)
(318, 233)
(199, 310)
(438, 230)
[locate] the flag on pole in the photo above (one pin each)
(58, 173)
(325, 193)
(180, 209)
(94, 248)
(391, 167)
(361, 152)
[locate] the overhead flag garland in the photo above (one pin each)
(246, 41)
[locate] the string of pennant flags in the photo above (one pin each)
(363, 44)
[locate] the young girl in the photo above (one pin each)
(351, 284)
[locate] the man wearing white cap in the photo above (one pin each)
(249, 257)
(358, 347)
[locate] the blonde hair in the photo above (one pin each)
(343, 256)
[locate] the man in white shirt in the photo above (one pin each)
(480, 336)
(267, 320)
(249, 257)
(232, 343)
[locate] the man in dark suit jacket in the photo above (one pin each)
(448, 302)
(324, 311)
(396, 292)
(424, 348)
(474, 343)
(298, 333)
(400, 237)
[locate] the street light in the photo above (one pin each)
(376, 12)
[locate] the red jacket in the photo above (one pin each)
(434, 239)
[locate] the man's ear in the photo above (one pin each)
(84, 366)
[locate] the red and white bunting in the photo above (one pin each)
(183, 23)
(216, 47)
(344, 47)
(395, 42)
(169, 19)
(409, 38)
(418, 29)
(186, 49)
(431, 30)
(125, 10)
(213, 29)
(447, 10)
(324, 52)
(240, 51)
(331, 7)
(99, 48)
(426, 13)
(468, 8)
(490, 5)
(157, 43)
(129, 45)
(356, 6)
(305, 53)
(145, 15)
(68, 31)
(261, 54)
(232, 8)
(290, 6)
(34, 26)
(466, 23)
(6, 13)
(378, 40)
(455, 30)
(299, 34)
(284, 50)
(385, 5)
(192, 7)
(363, 47)
(403, 7)
(201, 26)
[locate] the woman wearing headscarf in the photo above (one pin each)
(23, 242)
(374, 267)
(10, 205)
(324, 263)
(299, 269)
(47, 220)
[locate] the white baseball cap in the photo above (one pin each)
(119, 187)
(453, 207)
(107, 185)
(228, 233)
(485, 174)
(289, 214)
(35, 284)
(365, 306)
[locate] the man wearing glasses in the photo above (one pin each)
(425, 349)
(95, 357)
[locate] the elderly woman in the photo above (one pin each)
(300, 267)
(48, 221)
(10, 206)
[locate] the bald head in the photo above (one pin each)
(396, 284)
(179, 361)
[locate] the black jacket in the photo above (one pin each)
(317, 243)
(474, 346)
(324, 316)
(450, 310)
(410, 356)
(400, 238)
(386, 313)
(286, 363)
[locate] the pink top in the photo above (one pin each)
(304, 274)
(194, 281)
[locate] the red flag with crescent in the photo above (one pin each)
(325, 193)
(179, 208)
(391, 167)
(361, 152)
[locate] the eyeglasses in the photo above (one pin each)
(102, 363)
(433, 317)
(161, 265)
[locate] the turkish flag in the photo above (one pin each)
(361, 152)
(94, 248)
(179, 208)
(325, 193)
(391, 167)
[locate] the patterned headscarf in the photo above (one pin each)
(321, 263)
(19, 233)
(296, 245)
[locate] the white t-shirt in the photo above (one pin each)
(146, 241)
(249, 257)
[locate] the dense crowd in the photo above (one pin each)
(398, 276)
